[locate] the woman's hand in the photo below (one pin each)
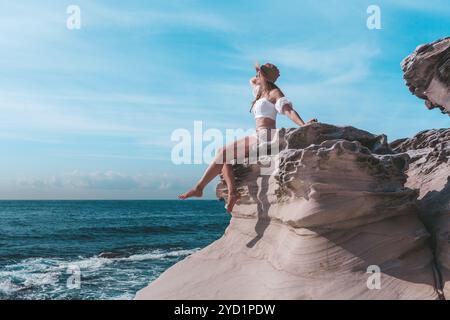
(314, 120)
(257, 66)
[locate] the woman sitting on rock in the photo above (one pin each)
(269, 100)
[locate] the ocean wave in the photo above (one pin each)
(157, 254)
(90, 264)
(51, 273)
(29, 274)
(8, 287)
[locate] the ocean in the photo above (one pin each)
(98, 249)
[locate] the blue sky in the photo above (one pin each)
(89, 113)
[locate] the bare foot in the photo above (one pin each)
(233, 197)
(195, 192)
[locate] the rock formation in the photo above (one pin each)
(429, 172)
(427, 74)
(341, 205)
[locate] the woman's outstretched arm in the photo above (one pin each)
(289, 111)
(293, 115)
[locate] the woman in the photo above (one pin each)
(269, 100)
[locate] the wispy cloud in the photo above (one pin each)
(99, 180)
(339, 64)
(31, 115)
(154, 19)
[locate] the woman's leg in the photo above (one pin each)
(235, 150)
(211, 172)
(233, 195)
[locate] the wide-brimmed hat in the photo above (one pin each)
(269, 70)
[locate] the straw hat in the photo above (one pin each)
(269, 70)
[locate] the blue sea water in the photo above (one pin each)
(116, 247)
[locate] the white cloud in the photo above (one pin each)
(165, 183)
(342, 64)
(99, 180)
(33, 115)
(157, 20)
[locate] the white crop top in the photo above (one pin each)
(264, 108)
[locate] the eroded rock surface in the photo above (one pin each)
(336, 207)
(429, 172)
(427, 74)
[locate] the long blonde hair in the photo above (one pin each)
(265, 86)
